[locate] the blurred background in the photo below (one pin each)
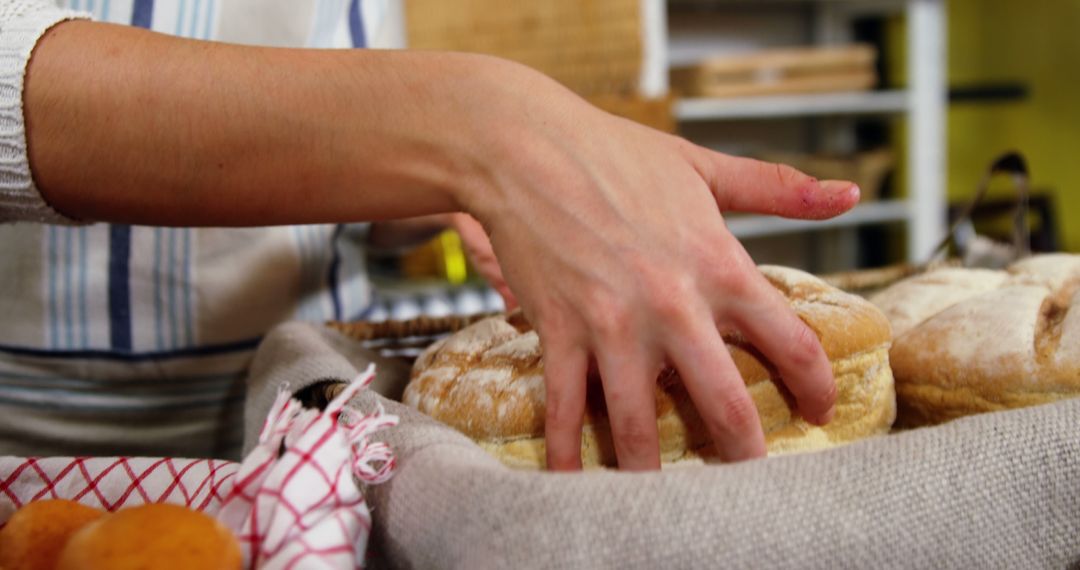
(912, 99)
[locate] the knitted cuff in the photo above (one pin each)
(20, 199)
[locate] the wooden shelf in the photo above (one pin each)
(870, 213)
(848, 103)
(921, 104)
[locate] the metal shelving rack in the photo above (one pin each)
(923, 103)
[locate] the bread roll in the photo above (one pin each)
(487, 381)
(977, 340)
(163, 537)
(34, 535)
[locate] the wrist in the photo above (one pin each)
(513, 128)
(475, 124)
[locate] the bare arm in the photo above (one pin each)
(129, 125)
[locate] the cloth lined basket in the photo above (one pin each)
(994, 490)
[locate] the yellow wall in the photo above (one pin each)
(1036, 42)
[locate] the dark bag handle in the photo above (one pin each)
(1013, 164)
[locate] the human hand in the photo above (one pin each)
(611, 235)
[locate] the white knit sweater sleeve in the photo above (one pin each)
(22, 23)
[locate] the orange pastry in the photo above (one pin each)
(35, 534)
(164, 537)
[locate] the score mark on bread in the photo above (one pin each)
(978, 340)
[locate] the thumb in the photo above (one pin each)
(748, 185)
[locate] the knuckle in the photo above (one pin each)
(805, 349)
(738, 415)
(701, 160)
(784, 175)
(635, 434)
(557, 323)
(734, 278)
(670, 302)
(609, 316)
(684, 145)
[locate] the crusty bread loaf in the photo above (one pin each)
(487, 381)
(974, 340)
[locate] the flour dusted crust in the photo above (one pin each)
(975, 340)
(487, 381)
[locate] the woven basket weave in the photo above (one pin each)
(420, 327)
(591, 46)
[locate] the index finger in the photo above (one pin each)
(771, 326)
(719, 394)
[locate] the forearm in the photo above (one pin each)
(126, 125)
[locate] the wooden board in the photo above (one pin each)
(774, 72)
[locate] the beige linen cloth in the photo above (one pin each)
(998, 490)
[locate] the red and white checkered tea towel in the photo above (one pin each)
(293, 502)
(301, 508)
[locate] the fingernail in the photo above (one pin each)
(840, 187)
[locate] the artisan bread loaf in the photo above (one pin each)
(487, 381)
(975, 340)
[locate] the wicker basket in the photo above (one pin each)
(592, 46)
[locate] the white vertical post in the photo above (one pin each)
(926, 30)
(832, 27)
(654, 43)
(836, 249)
